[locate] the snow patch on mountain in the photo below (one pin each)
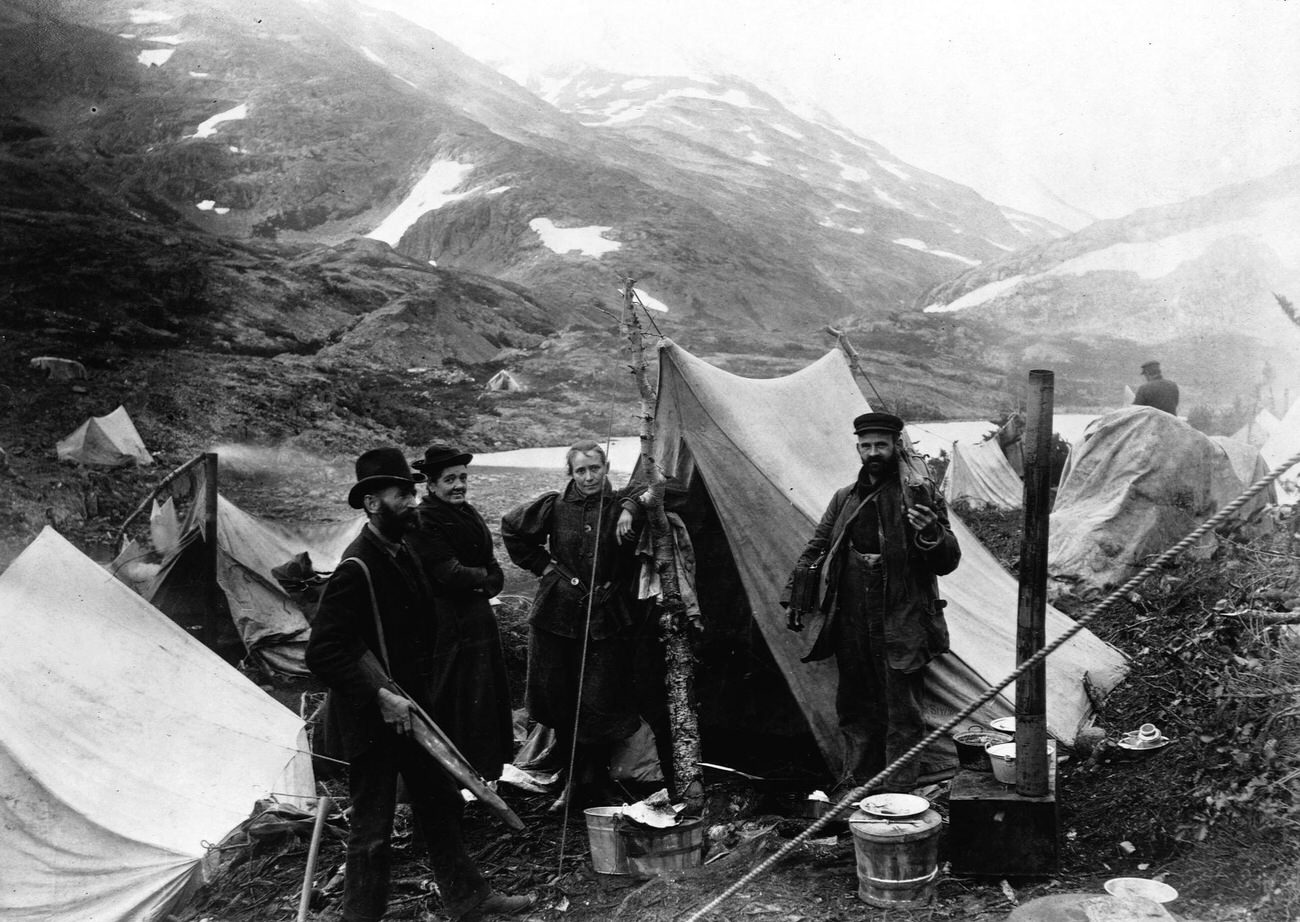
(630, 86)
(589, 240)
(166, 39)
(760, 158)
(887, 198)
(155, 57)
(407, 82)
(827, 222)
(923, 247)
(372, 56)
(211, 205)
(854, 173)
(842, 207)
(208, 127)
(789, 132)
(430, 193)
(978, 296)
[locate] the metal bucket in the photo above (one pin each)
(971, 744)
(608, 853)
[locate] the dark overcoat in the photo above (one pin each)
(345, 630)
(915, 628)
(471, 690)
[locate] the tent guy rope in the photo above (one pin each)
(1133, 582)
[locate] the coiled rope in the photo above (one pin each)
(861, 791)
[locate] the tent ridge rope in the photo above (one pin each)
(1132, 583)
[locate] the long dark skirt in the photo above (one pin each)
(608, 712)
(471, 694)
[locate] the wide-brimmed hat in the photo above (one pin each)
(877, 422)
(438, 458)
(379, 468)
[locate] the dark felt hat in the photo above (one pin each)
(877, 422)
(440, 457)
(1150, 366)
(379, 468)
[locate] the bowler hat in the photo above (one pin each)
(379, 468)
(438, 458)
(877, 422)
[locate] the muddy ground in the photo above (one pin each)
(1215, 815)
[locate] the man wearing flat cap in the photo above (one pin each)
(881, 544)
(374, 642)
(1158, 391)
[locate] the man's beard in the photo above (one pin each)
(878, 468)
(395, 522)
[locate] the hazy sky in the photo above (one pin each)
(1110, 105)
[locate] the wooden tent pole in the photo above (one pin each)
(211, 624)
(162, 484)
(1031, 688)
(674, 622)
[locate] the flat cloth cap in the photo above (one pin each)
(877, 422)
(1151, 366)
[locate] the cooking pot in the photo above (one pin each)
(1002, 756)
(971, 744)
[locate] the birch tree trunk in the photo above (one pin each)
(674, 624)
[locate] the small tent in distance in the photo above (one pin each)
(759, 459)
(503, 381)
(980, 476)
(1281, 445)
(126, 747)
(105, 441)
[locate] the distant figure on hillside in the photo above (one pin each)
(1158, 392)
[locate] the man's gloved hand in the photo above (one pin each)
(794, 619)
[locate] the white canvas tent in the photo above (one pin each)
(503, 381)
(269, 622)
(126, 747)
(980, 475)
(1259, 430)
(105, 441)
(763, 457)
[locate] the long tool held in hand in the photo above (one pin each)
(313, 851)
(435, 742)
(862, 790)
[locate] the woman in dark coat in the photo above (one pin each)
(581, 543)
(471, 698)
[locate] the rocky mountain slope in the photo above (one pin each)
(1193, 283)
(327, 120)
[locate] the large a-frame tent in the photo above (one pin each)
(759, 460)
(126, 747)
(980, 475)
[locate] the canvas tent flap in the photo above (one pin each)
(771, 453)
(979, 474)
(125, 745)
(268, 621)
(1141, 481)
(1281, 445)
(105, 441)
(1259, 430)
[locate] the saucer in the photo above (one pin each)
(1131, 742)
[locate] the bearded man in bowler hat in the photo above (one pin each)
(883, 540)
(373, 639)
